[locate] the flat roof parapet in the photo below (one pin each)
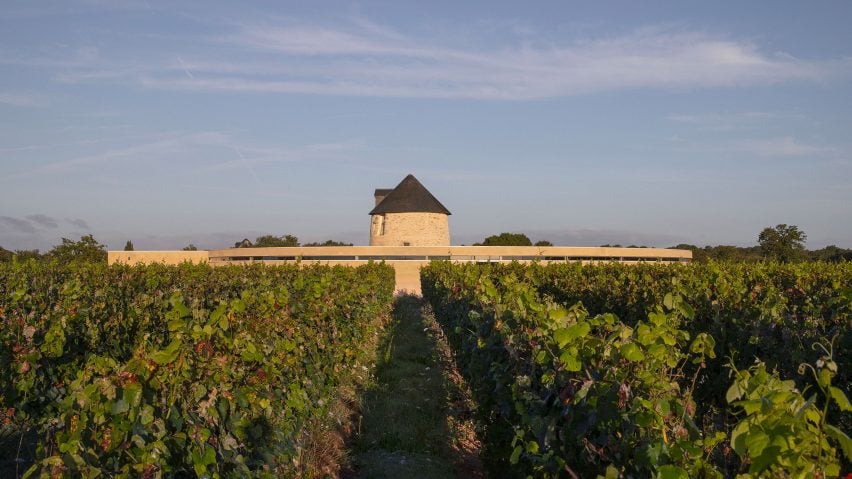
(406, 260)
(454, 253)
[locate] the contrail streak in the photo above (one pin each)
(185, 69)
(248, 166)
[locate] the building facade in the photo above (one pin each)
(408, 228)
(408, 215)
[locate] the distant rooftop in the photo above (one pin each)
(409, 196)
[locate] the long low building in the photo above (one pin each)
(406, 260)
(408, 229)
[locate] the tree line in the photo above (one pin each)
(784, 243)
(511, 239)
(286, 241)
(88, 249)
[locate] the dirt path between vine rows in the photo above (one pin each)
(416, 417)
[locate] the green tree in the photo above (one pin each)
(697, 253)
(543, 243)
(506, 239)
(329, 243)
(831, 253)
(190, 247)
(741, 254)
(5, 255)
(85, 250)
(268, 241)
(27, 254)
(783, 243)
(749, 254)
(128, 246)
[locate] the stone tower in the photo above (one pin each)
(408, 215)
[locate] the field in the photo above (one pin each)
(177, 371)
(650, 370)
(713, 370)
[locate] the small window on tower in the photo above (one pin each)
(382, 225)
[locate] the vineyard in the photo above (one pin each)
(611, 370)
(716, 370)
(178, 371)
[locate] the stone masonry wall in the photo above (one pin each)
(416, 229)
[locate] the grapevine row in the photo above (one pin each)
(566, 388)
(190, 370)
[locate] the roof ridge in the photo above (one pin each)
(410, 196)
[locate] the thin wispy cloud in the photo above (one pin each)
(732, 118)
(781, 147)
(741, 121)
(9, 224)
(251, 156)
(37, 230)
(51, 146)
(21, 100)
(119, 4)
(79, 223)
(165, 146)
(767, 147)
(366, 59)
(43, 220)
(33, 227)
(373, 63)
(202, 151)
(27, 10)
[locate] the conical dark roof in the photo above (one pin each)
(409, 196)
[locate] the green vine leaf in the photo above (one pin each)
(671, 472)
(840, 398)
(842, 438)
(167, 355)
(631, 352)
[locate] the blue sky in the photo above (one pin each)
(580, 122)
